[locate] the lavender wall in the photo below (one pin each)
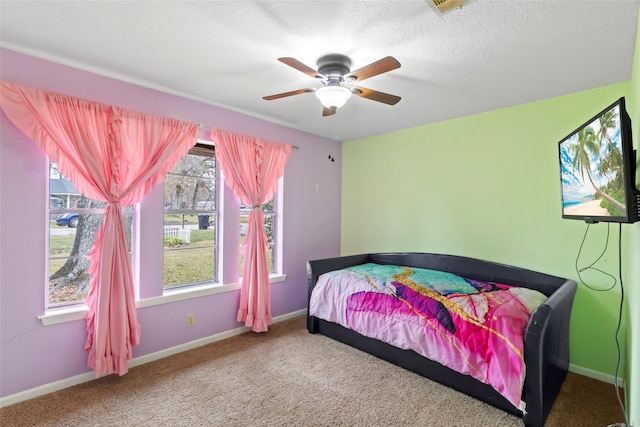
(31, 354)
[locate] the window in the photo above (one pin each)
(74, 221)
(191, 254)
(190, 219)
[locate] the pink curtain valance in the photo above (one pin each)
(114, 155)
(251, 168)
(50, 118)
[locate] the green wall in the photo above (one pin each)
(487, 186)
(632, 378)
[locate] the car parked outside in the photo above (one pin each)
(68, 219)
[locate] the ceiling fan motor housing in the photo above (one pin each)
(334, 67)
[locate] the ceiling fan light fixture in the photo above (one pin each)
(333, 96)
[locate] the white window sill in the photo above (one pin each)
(79, 311)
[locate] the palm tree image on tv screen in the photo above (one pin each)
(592, 166)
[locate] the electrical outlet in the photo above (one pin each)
(190, 320)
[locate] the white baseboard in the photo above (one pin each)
(607, 378)
(89, 376)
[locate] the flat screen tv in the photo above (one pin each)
(598, 168)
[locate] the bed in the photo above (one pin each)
(390, 285)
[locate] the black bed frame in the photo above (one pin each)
(546, 341)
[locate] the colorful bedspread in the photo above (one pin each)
(475, 328)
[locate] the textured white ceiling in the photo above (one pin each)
(489, 54)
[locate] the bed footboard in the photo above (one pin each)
(318, 267)
(546, 344)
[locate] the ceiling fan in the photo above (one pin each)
(334, 70)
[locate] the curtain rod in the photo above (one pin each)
(295, 147)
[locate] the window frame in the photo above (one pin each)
(202, 148)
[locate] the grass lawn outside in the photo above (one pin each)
(190, 262)
(184, 263)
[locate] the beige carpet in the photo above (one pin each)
(288, 377)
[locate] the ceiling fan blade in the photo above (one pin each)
(328, 111)
(380, 66)
(375, 95)
(285, 94)
(292, 62)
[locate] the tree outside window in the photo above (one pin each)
(74, 221)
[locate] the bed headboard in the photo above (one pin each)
(471, 268)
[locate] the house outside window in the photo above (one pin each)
(190, 219)
(74, 221)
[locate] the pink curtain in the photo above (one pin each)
(252, 168)
(116, 156)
